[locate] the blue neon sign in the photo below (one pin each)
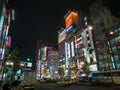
(70, 28)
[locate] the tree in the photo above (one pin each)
(86, 68)
(61, 72)
(15, 58)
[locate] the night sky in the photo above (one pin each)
(40, 20)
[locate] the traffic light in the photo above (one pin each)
(28, 59)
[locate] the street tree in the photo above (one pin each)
(15, 58)
(61, 72)
(86, 69)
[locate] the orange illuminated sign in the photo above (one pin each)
(71, 18)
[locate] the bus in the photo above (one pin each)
(111, 76)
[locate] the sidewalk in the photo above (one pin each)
(0, 85)
(0, 88)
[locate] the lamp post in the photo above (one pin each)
(110, 48)
(90, 27)
(111, 53)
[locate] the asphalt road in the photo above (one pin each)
(49, 86)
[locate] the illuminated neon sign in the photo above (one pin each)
(70, 28)
(71, 18)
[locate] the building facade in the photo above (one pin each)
(102, 23)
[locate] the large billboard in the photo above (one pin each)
(8, 41)
(61, 36)
(71, 18)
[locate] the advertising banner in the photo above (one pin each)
(61, 36)
(71, 18)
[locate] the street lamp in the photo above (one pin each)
(110, 48)
(90, 27)
(111, 33)
(110, 52)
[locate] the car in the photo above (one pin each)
(64, 83)
(83, 79)
(60, 83)
(42, 81)
(67, 82)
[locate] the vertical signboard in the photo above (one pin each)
(72, 18)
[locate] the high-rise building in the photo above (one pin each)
(44, 59)
(102, 22)
(52, 63)
(61, 47)
(5, 20)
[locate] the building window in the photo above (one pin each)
(91, 60)
(89, 45)
(88, 38)
(87, 32)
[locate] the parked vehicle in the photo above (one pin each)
(112, 76)
(28, 80)
(83, 79)
(64, 83)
